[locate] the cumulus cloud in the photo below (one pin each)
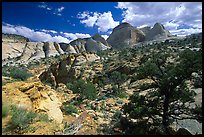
(104, 36)
(170, 14)
(73, 36)
(42, 35)
(90, 21)
(104, 21)
(60, 9)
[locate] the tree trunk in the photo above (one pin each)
(165, 117)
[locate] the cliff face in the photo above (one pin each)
(13, 38)
(92, 44)
(17, 49)
(157, 32)
(125, 35)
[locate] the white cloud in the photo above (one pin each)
(170, 14)
(48, 8)
(47, 31)
(82, 15)
(184, 32)
(43, 6)
(90, 20)
(104, 21)
(56, 11)
(42, 35)
(60, 9)
(104, 36)
(73, 36)
(81, 35)
(142, 26)
(59, 14)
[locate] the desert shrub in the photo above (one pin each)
(15, 72)
(146, 86)
(5, 72)
(87, 90)
(21, 118)
(43, 117)
(5, 110)
(19, 73)
(117, 114)
(69, 109)
(118, 92)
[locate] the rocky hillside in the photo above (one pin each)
(13, 38)
(17, 49)
(94, 44)
(109, 92)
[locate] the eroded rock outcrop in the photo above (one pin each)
(13, 38)
(125, 35)
(99, 38)
(34, 96)
(18, 50)
(72, 67)
(157, 32)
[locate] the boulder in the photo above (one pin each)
(189, 126)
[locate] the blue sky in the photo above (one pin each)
(66, 21)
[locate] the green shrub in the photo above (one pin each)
(5, 110)
(21, 118)
(69, 109)
(117, 114)
(43, 117)
(86, 90)
(19, 73)
(16, 72)
(146, 86)
(118, 92)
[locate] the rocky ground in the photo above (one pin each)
(46, 93)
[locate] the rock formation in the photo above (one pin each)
(52, 49)
(157, 32)
(94, 46)
(17, 49)
(145, 30)
(69, 68)
(125, 35)
(97, 37)
(13, 38)
(34, 96)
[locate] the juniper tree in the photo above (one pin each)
(169, 97)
